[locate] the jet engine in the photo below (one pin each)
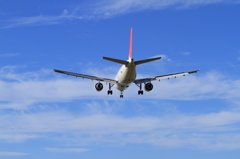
(98, 86)
(148, 87)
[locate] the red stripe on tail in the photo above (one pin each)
(130, 44)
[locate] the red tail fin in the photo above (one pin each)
(130, 44)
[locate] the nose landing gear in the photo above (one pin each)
(121, 95)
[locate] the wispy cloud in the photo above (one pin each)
(71, 150)
(238, 57)
(162, 57)
(110, 8)
(185, 53)
(107, 9)
(17, 137)
(12, 154)
(41, 20)
(8, 55)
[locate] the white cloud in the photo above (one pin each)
(20, 90)
(203, 131)
(58, 150)
(12, 154)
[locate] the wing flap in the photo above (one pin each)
(87, 76)
(145, 80)
(175, 75)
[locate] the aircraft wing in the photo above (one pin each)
(87, 76)
(145, 80)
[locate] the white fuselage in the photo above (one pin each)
(126, 75)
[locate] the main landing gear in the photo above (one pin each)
(140, 92)
(110, 91)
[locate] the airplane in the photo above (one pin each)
(126, 74)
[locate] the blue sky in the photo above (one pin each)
(48, 115)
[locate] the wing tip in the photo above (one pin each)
(59, 71)
(194, 71)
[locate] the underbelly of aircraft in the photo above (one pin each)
(125, 77)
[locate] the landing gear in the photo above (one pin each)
(110, 91)
(140, 92)
(121, 96)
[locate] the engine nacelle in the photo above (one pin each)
(98, 87)
(148, 87)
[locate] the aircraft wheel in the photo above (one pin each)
(140, 92)
(109, 92)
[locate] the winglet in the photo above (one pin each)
(130, 44)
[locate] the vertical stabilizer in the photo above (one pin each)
(130, 44)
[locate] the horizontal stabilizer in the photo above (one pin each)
(116, 60)
(147, 60)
